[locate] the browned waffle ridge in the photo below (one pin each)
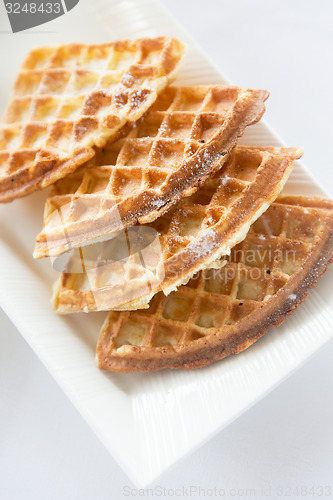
(70, 98)
(181, 141)
(222, 312)
(194, 234)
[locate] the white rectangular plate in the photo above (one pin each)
(147, 421)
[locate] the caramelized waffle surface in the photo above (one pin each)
(180, 142)
(128, 270)
(70, 98)
(222, 312)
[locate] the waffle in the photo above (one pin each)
(222, 312)
(128, 270)
(180, 142)
(68, 99)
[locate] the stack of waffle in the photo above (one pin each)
(177, 231)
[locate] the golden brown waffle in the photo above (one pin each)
(127, 271)
(222, 312)
(180, 142)
(68, 99)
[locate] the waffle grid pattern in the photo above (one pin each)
(179, 122)
(191, 221)
(77, 96)
(137, 177)
(275, 248)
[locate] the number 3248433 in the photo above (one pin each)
(32, 8)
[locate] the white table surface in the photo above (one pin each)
(286, 440)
